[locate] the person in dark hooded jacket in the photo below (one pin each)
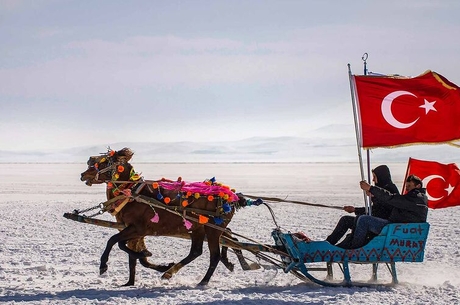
(382, 178)
(408, 208)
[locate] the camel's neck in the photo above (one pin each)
(116, 189)
(126, 173)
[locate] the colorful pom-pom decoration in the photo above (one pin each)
(197, 195)
(188, 194)
(167, 200)
(210, 198)
(110, 185)
(187, 224)
(185, 203)
(155, 185)
(116, 176)
(111, 153)
(258, 201)
(155, 219)
(226, 197)
(203, 219)
(159, 196)
(221, 194)
(96, 166)
(218, 220)
(227, 208)
(120, 168)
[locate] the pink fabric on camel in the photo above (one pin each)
(199, 187)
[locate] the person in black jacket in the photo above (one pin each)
(382, 178)
(410, 207)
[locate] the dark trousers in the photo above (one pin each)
(345, 223)
(367, 225)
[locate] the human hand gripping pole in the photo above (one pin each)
(364, 186)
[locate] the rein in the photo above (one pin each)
(274, 199)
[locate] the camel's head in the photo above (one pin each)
(107, 166)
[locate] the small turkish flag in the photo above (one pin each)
(442, 182)
(397, 111)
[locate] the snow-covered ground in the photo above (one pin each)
(47, 259)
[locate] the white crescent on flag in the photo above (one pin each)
(388, 115)
(426, 181)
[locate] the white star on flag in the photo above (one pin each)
(428, 106)
(449, 189)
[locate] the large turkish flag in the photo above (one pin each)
(396, 111)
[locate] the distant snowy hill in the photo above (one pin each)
(333, 143)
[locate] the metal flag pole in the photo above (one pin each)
(368, 156)
(368, 207)
(355, 117)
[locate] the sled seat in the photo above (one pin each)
(397, 242)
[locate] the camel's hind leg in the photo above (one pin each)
(213, 236)
(196, 250)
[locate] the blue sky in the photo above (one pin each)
(76, 73)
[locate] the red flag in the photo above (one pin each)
(396, 111)
(442, 182)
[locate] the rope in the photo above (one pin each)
(272, 213)
(293, 201)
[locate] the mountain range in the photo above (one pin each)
(333, 143)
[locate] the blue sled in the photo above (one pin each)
(397, 242)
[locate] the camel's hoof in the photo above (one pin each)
(203, 283)
(128, 284)
(229, 266)
(146, 253)
(102, 270)
(166, 276)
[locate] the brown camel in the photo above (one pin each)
(153, 210)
